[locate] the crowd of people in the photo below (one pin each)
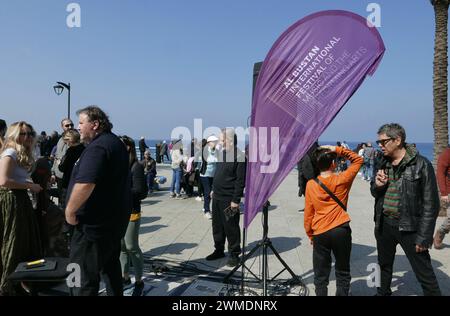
(220, 180)
(100, 183)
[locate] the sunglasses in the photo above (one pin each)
(383, 142)
(68, 125)
(30, 134)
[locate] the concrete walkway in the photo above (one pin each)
(176, 230)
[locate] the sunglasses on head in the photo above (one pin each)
(383, 142)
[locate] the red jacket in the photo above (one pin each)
(443, 172)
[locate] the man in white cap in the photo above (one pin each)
(207, 172)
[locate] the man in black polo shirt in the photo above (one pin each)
(99, 204)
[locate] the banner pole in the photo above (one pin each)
(265, 238)
(244, 237)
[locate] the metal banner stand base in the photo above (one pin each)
(266, 244)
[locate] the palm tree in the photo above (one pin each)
(440, 74)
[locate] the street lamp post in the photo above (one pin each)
(59, 88)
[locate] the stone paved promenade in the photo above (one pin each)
(177, 230)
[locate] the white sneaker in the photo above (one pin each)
(208, 215)
(198, 198)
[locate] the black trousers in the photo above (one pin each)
(339, 241)
(387, 241)
(97, 259)
(225, 228)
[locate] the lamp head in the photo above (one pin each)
(58, 89)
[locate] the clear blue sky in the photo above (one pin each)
(154, 65)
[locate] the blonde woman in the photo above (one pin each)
(74, 150)
(19, 230)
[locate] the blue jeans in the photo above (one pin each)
(150, 180)
(176, 180)
(368, 171)
(207, 186)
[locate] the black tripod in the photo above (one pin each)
(265, 243)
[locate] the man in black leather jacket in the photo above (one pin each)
(406, 208)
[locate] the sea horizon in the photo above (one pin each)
(424, 148)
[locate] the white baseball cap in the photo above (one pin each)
(212, 138)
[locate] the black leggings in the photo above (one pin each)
(339, 241)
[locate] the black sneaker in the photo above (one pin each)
(233, 261)
(215, 255)
(138, 288)
(126, 282)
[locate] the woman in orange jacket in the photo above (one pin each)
(326, 220)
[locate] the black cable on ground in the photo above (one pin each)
(182, 269)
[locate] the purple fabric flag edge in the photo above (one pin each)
(371, 71)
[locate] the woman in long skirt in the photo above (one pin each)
(19, 230)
